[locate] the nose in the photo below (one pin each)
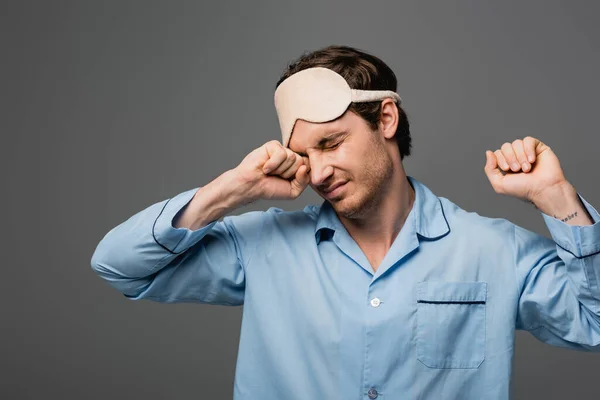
(319, 171)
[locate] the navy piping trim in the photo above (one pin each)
(154, 225)
(450, 302)
(574, 255)
(447, 225)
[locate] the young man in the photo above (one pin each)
(384, 290)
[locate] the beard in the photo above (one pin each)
(370, 187)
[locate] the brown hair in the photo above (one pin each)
(362, 71)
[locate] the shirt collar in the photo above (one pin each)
(430, 221)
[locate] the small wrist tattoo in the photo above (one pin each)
(568, 217)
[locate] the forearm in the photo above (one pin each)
(215, 200)
(563, 203)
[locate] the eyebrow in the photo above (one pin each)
(324, 140)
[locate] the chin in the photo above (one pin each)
(356, 205)
(348, 207)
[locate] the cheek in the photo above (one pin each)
(349, 157)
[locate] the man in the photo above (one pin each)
(384, 290)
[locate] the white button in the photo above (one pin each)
(375, 302)
(372, 393)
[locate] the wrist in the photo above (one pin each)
(558, 199)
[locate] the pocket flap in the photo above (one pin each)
(451, 292)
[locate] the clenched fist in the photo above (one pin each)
(274, 172)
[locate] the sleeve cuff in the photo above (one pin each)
(581, 241)
(177, 240)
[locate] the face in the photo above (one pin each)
(345, 151)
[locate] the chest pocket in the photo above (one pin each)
(450, 331)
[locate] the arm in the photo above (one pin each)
(559, 279)
(175, 250)
(199, 259)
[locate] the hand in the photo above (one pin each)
(274, 172)
(524, 169)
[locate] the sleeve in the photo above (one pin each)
(559, 279)
(145, 257)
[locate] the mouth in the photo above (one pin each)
(334, 190)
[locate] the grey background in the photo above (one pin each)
(110, 106)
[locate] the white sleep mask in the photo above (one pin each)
(318, 95)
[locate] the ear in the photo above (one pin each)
(388, 121)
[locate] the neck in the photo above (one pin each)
(378, 228)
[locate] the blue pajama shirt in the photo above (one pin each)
(435, 321)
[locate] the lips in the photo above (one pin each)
(333, 187)
(331, 191)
